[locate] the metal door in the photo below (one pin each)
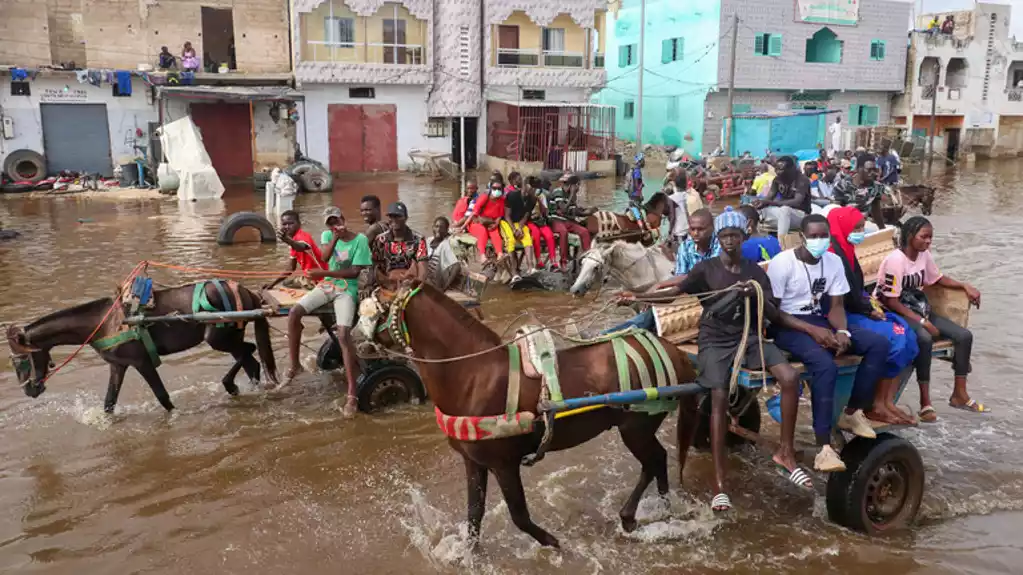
(344, 126)
(76, 137)
(362, 138)
(227, 135)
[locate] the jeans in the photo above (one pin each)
(785, 218)
(820, 362)
(644, 320)
(962, 338)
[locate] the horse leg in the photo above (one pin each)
(230, 340)
(639, 433)
(114, 386)
(510, 480)
(476, 484)
(688, 419)
(149, 373)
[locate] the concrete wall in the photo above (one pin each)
(275, 141)
(24, 37)
(67, 31)
(124, 115)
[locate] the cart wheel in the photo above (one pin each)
(747, 408)
(391, 384)
(881, 488)
(329, 357)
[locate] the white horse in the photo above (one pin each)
(635, 266)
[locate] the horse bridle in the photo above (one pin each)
(395, 324)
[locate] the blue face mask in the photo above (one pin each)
(856, 238)
(818, 246)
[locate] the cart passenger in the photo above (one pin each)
(757, 247)
(811, 284)
(721, 330)
(514, 226)
(399, 253)
(444, 267)
(369, 208)
(480, 215)
(304, 253)
(900, 281)
(567, 217)
(349, 254)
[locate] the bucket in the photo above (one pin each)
(167, 178)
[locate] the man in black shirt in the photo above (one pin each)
(788, 202)
(721, 329)
(519, 202)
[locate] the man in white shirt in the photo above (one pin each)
(835, 131)
(687, 201)
(810, 283)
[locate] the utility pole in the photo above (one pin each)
(934, 108)
(639, 104)
(731, 87)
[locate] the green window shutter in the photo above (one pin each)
(873, 50)
(623, 56)
(667, 51)
(881, 50)
(870, 114)
(758, 45)
(742, 108)
(854, 115)
(679, 43)
(774, 47)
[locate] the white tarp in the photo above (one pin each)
(186, 154)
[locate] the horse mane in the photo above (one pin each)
(70, 312)
(472, 325)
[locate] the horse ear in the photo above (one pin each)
(18, 341)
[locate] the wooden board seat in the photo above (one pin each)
(285, 298)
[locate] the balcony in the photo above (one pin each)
(562, 53)
(546, 58)
(377, 53)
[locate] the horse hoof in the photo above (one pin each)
(231, 388)
(531, 459)
(629, 524)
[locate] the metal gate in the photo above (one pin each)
(76, 137)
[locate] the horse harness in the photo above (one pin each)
(609, 229)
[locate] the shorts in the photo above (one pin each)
(344, 304)
(510, 243)
(714, 361)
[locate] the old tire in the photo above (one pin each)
(25, 166)
(329, 357)
(311, 176)
(881, 488)
(237, 221)
(259, 180)
(746, 406)
(385, 385)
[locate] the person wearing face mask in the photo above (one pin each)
(811, 285)
(863, 312)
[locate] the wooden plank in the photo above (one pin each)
(950, 303)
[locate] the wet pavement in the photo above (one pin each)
(261, 484)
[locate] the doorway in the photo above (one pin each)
(952, 142)
(218, 39)
(508, 46)
(394, 41)
(66, 127)
(470, 142)
(226, 130)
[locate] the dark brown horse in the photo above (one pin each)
(30, 346)
(439, 329)
(605, 226)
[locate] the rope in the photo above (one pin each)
(216, 272)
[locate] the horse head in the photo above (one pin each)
(381, 316)
(31, 364)
(592, 268)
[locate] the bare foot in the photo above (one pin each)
(898, 411)
(350, 409)
(884, 417)
(289, 376)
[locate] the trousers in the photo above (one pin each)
(785, 218)
(644, 320)
(482, 234)
(563, 228)
(961, 337)
(542, 232)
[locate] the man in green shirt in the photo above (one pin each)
(347, 254)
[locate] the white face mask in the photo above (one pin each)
(495, 193)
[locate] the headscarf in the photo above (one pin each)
(730, 219)
(842, 221)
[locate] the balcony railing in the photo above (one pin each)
(366, 53)
(517, 57)
(1015, 94)
(546, 58)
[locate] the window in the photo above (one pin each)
(553, 39)
(877, 49)
(672, 111)
(395, 51)
(362, 93)
(626, 55)
(767, 44)
(339, 31)
(1017, 78)
(436, 128)
(534, 95)
(863, 115)
(671, 50)
(824, 47)
(630, 109)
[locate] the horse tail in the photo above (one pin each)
(265, 350)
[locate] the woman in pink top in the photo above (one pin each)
(900, 281)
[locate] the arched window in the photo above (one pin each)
(824, 47)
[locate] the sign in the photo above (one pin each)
(836, 12)
(66, 94)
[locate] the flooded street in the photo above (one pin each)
(283, 484)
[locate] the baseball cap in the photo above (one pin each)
(332, 212)
(397, 209)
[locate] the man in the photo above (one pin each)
(304, 253)
(399, 253)
(566, 215)
(636, 180)
(762, 183)
(826, 186)
(369, 208)
(518, 205)
(788, 202)
(757, 248)
(678, 217)
(861, 189)
(722, 326)
(348, 255)
(888, 165)
(814, 331)
(835, 131)
(444, 267)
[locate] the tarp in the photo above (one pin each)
(186, 154)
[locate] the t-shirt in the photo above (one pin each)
(760, 248)
(488, 206)
(463, 207)
(762, 183)
(375, 230)
(354, 252)
(519, 204)
(309, 259)
(681, 227)
(399, 254)
(898, 273)
(801, 286)
(723, 318)
(783, 191)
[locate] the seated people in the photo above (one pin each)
(721, 330)
(825, 193)
(861, 189)
(514, 228)
(304, 253)
(166, 60)
(788, 201)
(444, 267)
(814, 333)
(480, 214)
(399, 253)
(846, 233)
(757, 247)
(348, 254)
(533, 199)
(369, 209)
(900, 281)
(566, 217)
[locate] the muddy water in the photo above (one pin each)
(259, 484)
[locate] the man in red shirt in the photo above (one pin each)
(304, 253)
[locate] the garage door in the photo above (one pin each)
(227, 134)
(363, 138)
(76, 137)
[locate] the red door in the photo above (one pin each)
(362, 138)
(227, 134)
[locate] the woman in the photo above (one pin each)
(478, 215)
(846, 232)
(539, 224)
(900, 281)
(189, 61)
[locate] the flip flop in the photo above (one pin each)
(971, 405)
(928, 414)
(721, 503)
(797, 476)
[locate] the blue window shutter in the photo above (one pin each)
(870, 114)
(328, 29)
(667, 51)
(774, 48)
(758, 45)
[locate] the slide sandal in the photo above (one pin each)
(721, 503)
(928, 414)
(971, 405)
(797, 476)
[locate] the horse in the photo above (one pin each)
(606, 226)
(141, 347)
(466, 369)
(635, 266)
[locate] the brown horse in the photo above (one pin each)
(605, 226)
(30, 346)
(439, 329)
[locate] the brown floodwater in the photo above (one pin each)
(283, 484)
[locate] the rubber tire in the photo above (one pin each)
(239, 220)
(847, 491)
(259, 180)
(329, 357)
(18, 158)
(750, 420)
(18, 188)
(369, 386)
(311, 177)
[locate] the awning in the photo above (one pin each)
(239, 93)
(782, 114)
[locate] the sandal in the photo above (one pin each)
(971, 405)
(721, 503)
(928, 414)
(797, 476)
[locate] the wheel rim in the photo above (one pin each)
(390, 391)
(888, 491)
(26, 170)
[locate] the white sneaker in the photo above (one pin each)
(857, 424)
(828, 461)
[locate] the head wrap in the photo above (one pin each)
(730, 219)
(842, 221)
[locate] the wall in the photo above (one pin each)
(275, 142)
(67, 31)
(24, 39)
(457, 39)
(124, 115)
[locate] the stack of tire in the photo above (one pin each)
(25, 169)
(310, 175)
